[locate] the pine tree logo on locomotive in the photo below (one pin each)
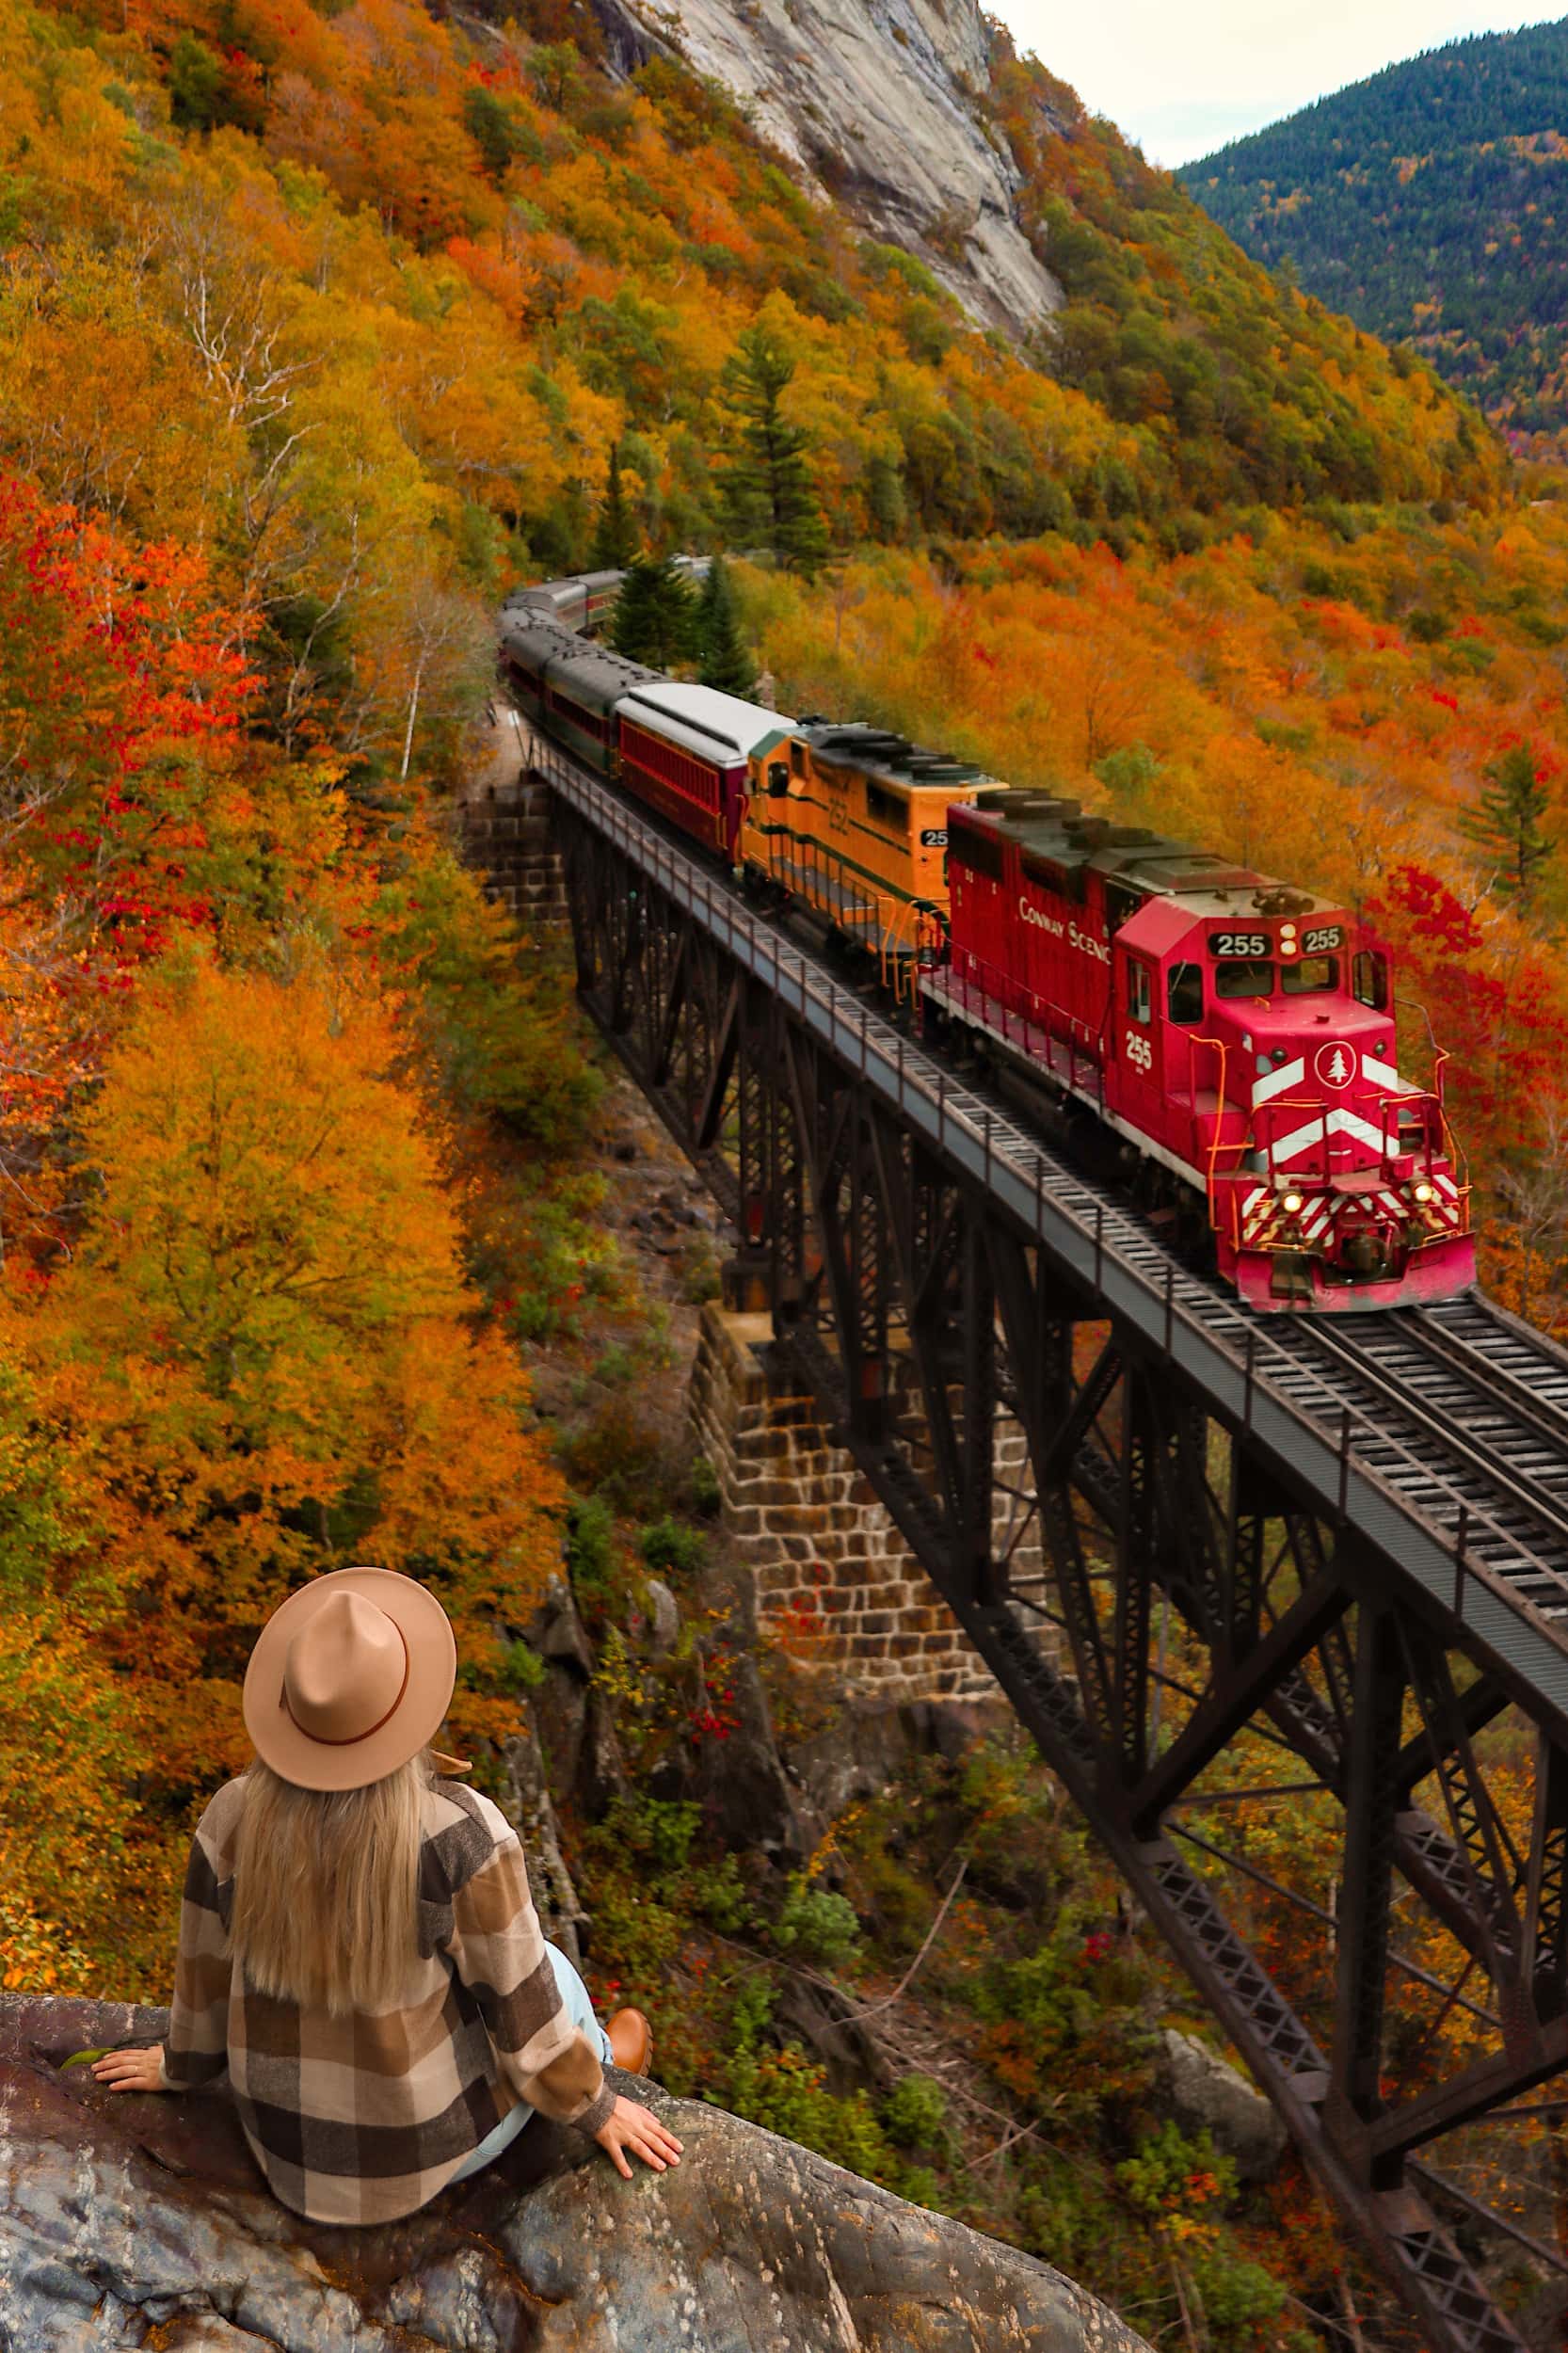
(1222, 1042)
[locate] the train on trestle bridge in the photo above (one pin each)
(1227, 1038)
(1338, 1542)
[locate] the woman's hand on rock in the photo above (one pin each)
(132, 2071)
(631, 2127)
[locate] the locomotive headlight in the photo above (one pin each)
(1422, 1191)
(1291, 1205)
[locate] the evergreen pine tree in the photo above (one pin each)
(615, 534)
(727, 659)
(655, 613)
(766, 487)
(1506, 825)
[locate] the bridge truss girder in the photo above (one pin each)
(924, 1316)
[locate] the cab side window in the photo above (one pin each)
(778, 780)
(1184, 992)
(1369, 979)
(1139, 995)
(797, 759)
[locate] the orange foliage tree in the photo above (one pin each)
(263, 1361)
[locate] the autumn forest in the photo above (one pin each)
(320, 327)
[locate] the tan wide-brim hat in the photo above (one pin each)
(350, 1678)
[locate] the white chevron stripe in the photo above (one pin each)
(1373, 1067)
(1315, 1131)
(1279, 1082)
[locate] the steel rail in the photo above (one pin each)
(1440, 1331)
(1245, 1369)
(1355, 1351)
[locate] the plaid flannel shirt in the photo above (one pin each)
(365, 2117)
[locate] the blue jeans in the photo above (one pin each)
(580, 2009)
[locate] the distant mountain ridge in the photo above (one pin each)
(1429, 203)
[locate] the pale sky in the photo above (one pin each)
(1183, 76)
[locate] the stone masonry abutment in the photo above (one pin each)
(836, 1582)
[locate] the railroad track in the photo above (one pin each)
(1526, 1364)
(1461, 1410)
(1478, 1402)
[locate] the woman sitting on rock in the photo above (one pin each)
(358, 1943)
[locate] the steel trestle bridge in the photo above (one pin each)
(1343, 1550)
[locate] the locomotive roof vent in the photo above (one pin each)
(1281, 900)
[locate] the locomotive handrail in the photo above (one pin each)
(1229, 1354)
(1220, 1108)
(1268, 1117)
(1079, 1041)
(1441, 1059)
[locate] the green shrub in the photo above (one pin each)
(816, 1926)
(660, 1830)
(590, 1548)
(1238, 2299)
(919, 2185)
(915, 2112)
(502, 1035)
(667, 1543)
(720, 1893)
(786, 2092)
(1169, 2175)
(195, 85)
(707, 1495)
(521, 1669)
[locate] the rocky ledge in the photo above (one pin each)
(140, 2221)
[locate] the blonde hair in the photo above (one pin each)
(326, 1888)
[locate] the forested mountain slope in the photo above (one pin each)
(1431, 202)
(410, 190)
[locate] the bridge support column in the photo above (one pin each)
(837, 1585)
(504, 834)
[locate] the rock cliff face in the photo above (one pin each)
(875, 101)
(140, 2222)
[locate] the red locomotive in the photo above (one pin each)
(1235, 1033)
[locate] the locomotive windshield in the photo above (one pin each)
(1310, 976)
(1253, 978)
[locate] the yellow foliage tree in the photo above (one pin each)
(262, 1354)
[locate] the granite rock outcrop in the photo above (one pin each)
(879, 104)
(140, 2222)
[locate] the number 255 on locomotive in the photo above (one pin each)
(1237, 1035)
